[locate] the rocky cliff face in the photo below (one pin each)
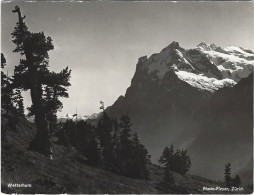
(170, 89)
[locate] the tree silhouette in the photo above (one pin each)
(139, 159)
(167, 157)
(3, 60)
(125, 149)
(104, 132)
(32, 74)
(227, 175)
(182, 162)
(6, 88)
(18, 102)
(237, 181)
(132, 156)
(110, 145)
(167, 160)
(66, 134)
(116, 144)
(87, 142)
(177, 161)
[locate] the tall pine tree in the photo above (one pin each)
(139, 159)
(125, 149)
(167, 160)
(116, 144)
(104, 132)
(32, 74)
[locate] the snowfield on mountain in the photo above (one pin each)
(203, 82)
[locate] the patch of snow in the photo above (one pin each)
(221, 68)
(179, 53)
(203, 82)
(186, 62)
(238, 49)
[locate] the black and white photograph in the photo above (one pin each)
(127, 97)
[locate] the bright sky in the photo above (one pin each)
(102, 41)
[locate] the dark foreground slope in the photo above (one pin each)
(68, 173)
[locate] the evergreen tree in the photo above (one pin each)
(227, 175)
(18, 102)
(87, 142)
(92, 152)
(32, 74)
(181, 162)
(177, 161)
(116, 144)
(184, 161)
(165, 156)
(6, 88)
(139, 159)
(3, 60)
(69, 131)
(168, 157)
(63, 133)
(167, 160)
(104, 132)
(237, 181)
(125, 145)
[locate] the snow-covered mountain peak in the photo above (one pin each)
(206, 60)
(173, 45)
(207, 47)
(232, 61)
(172, 55)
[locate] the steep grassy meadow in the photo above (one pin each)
(67, 171)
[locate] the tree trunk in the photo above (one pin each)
(41, 141)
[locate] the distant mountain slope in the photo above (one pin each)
(226, 131)
(77, 117)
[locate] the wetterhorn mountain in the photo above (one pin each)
(169, 89)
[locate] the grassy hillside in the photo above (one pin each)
(68, 173)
